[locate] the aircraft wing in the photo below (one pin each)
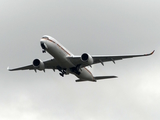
(100, 59)
(49, 64)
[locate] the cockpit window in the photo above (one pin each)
(45, 38)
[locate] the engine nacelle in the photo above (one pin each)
(38, 64)
(87, 58)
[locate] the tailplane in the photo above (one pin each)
(97, 78)
(104, 77)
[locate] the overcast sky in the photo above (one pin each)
(108, 27)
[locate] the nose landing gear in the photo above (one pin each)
(43, 51)
(44, 47)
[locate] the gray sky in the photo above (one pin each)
(109, 27)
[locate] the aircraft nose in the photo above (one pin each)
(42, 40)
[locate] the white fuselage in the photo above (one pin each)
(60, 54)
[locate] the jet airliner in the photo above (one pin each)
(64, 61)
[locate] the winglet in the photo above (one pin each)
(150, 53)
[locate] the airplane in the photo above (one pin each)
(67, 63)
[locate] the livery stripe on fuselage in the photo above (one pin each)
(63, 49)
(58, 46)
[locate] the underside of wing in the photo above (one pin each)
(97, 78)
(77, 60)
(28, 67)
(49, 64)
(101, 59)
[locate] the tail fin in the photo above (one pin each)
(97, 78)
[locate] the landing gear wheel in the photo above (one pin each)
(43, 51)
(61, 74)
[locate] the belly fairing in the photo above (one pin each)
(85, 74)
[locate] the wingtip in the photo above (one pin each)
(152, 52)
(8, 69)
(116, 76)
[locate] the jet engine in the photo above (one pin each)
(38, 64)
(87, 58)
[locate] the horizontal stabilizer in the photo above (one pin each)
(80, 80)
(97, 78)
(104, 77)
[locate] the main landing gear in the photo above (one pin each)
(44, 47)
(62, 73)
(76, 69)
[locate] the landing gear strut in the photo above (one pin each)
(62, 73)
(76, 69)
